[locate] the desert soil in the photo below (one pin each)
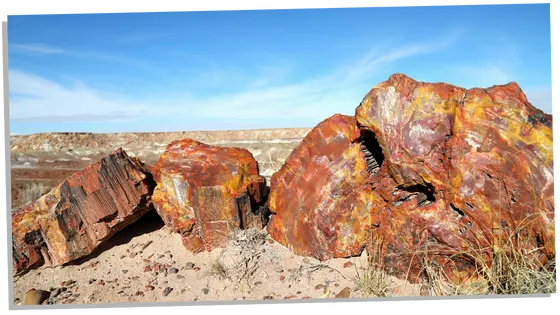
(147, 263)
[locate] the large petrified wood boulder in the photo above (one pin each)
(320, 198)
(206, 192)
(75, 217)
(483, 157)
(456, 170)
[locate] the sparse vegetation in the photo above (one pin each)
(373, 282)
(32, 192)
(508, 265)
(218, 269)
(272, 164)
(307, 271)
(240, 259)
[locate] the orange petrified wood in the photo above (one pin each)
(205, 192)
(422, 168)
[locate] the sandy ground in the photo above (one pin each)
(147, 263)
(123, 270)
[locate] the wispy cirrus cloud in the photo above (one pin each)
(37, 49)
(259, 100)
(45, 49)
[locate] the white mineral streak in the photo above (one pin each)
(180, 189)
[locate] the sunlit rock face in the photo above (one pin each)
(206, 192)
(81, 213)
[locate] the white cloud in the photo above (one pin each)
(37, 48)
(312, 99)
(36, 98)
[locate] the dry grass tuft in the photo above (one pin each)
(508, 265)
(32, 192)
(241, 258)
(374, 281)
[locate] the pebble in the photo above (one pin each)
(348, 264)
(56, 292)
(205, 291)
(166, 291)
(149, 288)
(268, 297)
(124, 271)
(343, 294)
(196, 268)
(424, 290)
(258, 283)
(189, 266)
(132, 255)
(319, 286)
(139, 293)
(173, 270)
(180, 277)
(290, 297)
(278, 269)
(282, 278)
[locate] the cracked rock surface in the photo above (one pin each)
(81, 213)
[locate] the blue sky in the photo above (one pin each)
(257, 69)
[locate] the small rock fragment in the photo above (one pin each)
(319, 286)
(166, 291)
(343, 294)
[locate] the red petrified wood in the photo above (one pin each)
(75, 217)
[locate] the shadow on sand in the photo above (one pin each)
(149, 222)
